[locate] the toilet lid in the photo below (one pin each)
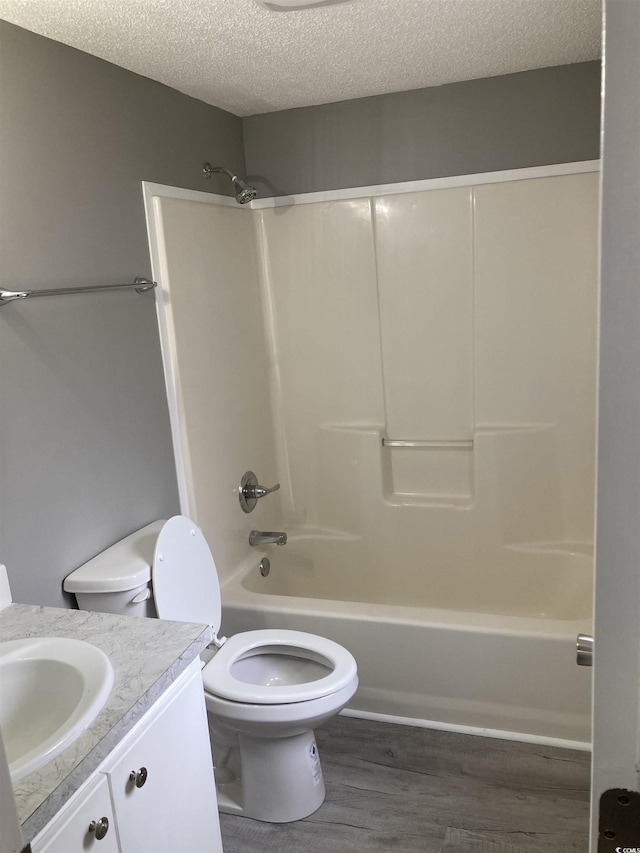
(184, 576)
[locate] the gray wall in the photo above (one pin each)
(533, 118)
(85, 446)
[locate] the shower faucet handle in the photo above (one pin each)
(261, 491)
(250, 491)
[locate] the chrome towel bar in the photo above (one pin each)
(436, 445)
(139, 284)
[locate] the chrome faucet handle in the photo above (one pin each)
(261, 491)
(250, 491)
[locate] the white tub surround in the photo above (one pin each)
(455, 325)
(419, 360)
(214, 352)
(140, 679)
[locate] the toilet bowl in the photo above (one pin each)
(265, 690)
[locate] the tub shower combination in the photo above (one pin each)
(415, 364)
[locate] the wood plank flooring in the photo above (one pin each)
(400, 789)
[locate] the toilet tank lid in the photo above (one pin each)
(124, 566)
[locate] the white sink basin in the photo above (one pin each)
(51, 689)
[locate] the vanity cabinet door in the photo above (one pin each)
(71, 832)
(162, 786)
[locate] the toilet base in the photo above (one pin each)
(280, 779)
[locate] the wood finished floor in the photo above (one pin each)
(400, 789)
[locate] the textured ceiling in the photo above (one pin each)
(247, 59)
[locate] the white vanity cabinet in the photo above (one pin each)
(161, 780)
(70, 831)
(156, 789)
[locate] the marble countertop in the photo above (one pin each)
(147, 655)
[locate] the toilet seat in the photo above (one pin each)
(219, 679)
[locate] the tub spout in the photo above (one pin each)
(263, 537)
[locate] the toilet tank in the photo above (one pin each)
(118, 580)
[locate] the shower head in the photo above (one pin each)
(244, 191)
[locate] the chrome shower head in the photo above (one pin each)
(244, 191)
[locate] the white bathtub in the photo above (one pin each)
(508, 671)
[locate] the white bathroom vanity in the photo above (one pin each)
(140, 778)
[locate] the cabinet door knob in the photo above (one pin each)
(100, 827)
(138, 776)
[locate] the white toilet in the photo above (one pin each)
(265, 690)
